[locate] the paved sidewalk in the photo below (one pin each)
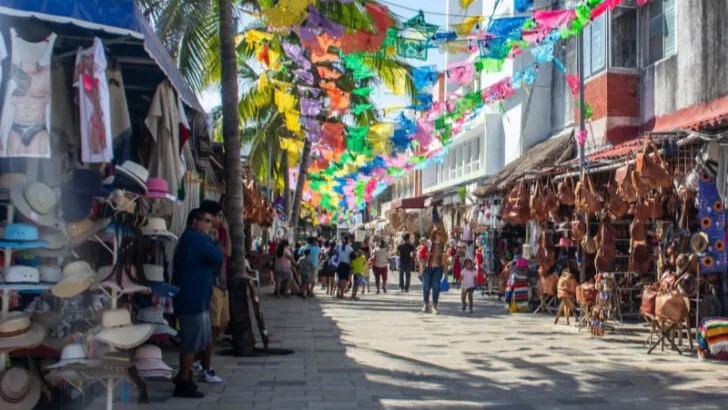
(381, 353)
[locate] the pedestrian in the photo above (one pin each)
(467, 279)
(358, 267)
(328, 270)
(422, 251)
(436, 265)
(283, 268)
(196, 262)
(306, 268)
(406, 252)
(343, 269)
(220, 301)
(314, 256)
(380, 263)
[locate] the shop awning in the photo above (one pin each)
(120, 17)
(417, 202)
(549, 153)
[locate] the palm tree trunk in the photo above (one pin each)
(241, 326)
(296, 207)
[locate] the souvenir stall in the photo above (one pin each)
(98, 157)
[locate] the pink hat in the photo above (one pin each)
(148, 358)
(565, 242)
(521, 263)
(157, 188)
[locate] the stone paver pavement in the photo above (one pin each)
(381, 353)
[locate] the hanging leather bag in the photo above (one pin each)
(586, 198)
(637, 230)
(586, 294)
(617, 206)
(647, 305)
(551, 202)
(519, 198)
(654, 203)
(578, 230)
(625, 184)
(671, 306)
(653, 169)
(566, 192)
(536, 204)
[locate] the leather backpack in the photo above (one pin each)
(625, 184)
(565, 192)
(551, 202)
(587, 199)
(537, 209)
(653, 169)
(519, 210)
(616, 206)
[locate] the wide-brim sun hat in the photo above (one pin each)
(148, 358)
(126, 287)
(75, 355)
(19, 389)
(17, 331)
(80, 232)
(157, 227)
(120, 333)
(77, 277)
(37, 202)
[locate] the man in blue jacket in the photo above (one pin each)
(196, 261)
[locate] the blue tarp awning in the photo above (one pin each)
(120, 17)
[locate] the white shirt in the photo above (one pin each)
(381, 257)
(344, 253)
(467, 280)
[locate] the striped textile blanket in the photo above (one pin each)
(713, 338)
(517, 292)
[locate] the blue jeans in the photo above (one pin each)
(405, 274)
(431, 281)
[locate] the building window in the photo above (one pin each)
(475, 154)
(595, 46)
(624, 37)
(661, 29)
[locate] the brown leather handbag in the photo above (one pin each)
(653, 169)
(548, 285)
(617, 206)
(586, 294)
(536, 204)
(587, 199)
(519, 207)
(551, 202)
(637, 230)
(625, 184)
(647, 305)
(565, 192)
(654, 202)
(545, 256)
(671, 306)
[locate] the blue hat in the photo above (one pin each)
(163, 289)
(21, 236)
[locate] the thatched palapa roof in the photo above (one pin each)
(550, 153)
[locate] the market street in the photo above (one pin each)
(380, 352)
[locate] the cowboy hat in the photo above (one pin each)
(19, 389)
(148, 358)
(79, 232)
(155, 276)
(155, 316)
(21, 236)
(157, 226)
(18, 332)
(77, 277)
(75, 355)
(699, 242)
(119, 332)
(37, 202)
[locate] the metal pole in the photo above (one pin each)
(580, 68)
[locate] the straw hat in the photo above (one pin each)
(131, 176)
(155, 316)
(74, 354)
(79, 232)
(148, 358)
(156, 226)
(19, 389)
(77, 277)
(18, 332)
(37, 202)
(120, 333)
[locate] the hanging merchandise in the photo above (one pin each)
(424, 77)
(410, 48)
(713, 223)
(419, 24)
(460, 73)
(26, 114)
(522, 5)
(118, 107)
(163, 122)
(463, 29)
(295, 53)
(94, 103)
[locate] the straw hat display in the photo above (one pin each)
(19, 389)
(37, 202)
(119, 332)
(77, 277)
(18, 332)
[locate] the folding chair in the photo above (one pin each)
(547, 303)
(666, 333)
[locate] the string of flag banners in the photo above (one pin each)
(311, 60)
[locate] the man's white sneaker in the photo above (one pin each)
(425, 309)
(209, 376)
(434, 310)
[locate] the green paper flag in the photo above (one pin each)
(490, 65)
(363, 91)
(360, 108)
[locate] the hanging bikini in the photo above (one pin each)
(27, 104)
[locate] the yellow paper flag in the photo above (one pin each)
(466, 3)
(292, 122)
(464, 28)
(396, 83)
(287, 13)
(284, 101)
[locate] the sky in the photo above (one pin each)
(404, 9)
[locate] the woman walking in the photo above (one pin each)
(380, 263)
(283, 268)
(436, 265)
(343, 269)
